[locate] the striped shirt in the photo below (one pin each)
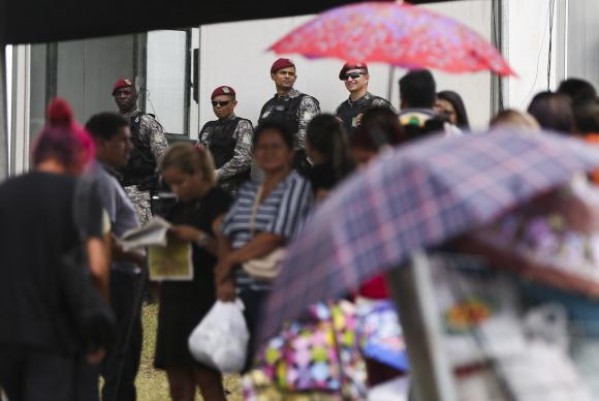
(281, 213)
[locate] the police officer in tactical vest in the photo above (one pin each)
(139, 176)
(291, 106)
(229, 139)
(355, 76)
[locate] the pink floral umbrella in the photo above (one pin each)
(398, 34)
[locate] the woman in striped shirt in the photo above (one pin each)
(264, 217)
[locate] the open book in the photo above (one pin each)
(168, 257)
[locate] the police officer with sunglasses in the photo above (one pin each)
(229, 139)
(355, 76)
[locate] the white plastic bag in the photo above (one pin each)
(221, 338)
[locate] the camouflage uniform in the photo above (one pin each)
(308, 109)
(150, 131)
(296, 109)
(242, 154)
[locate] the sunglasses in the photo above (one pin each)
(353, 75)
(221, 104)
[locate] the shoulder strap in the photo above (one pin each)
(202, 130)
(153, 116)
(264, 107)
(371, 102)
(316, 100)
(135, 124)
(303, 95)
(239, 119)
(136, 119)
(255, 210)
(298, 99)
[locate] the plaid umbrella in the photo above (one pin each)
(398, 34)
(417, 196)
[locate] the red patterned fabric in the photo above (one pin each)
(398, 34)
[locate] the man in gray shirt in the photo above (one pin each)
(112, 137)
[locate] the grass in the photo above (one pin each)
(151, 383)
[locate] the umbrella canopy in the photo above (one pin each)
(553, 239)
(417, 196)
(398, 34)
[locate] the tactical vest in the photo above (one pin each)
(283, 109)
(347, 112)
(222, 146)
(222, 141)
(141, 167)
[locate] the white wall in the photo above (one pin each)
(583, 40)
(165, 86)
(4, 117)
(194, 111)
(19, 112)
(85, 72)
(475, 88)
(8, 54)
(528, 48)
(235, 54)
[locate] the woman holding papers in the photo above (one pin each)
(265, 217)
(189, 171)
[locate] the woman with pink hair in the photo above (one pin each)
(39, 345)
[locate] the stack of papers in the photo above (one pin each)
(169, 258)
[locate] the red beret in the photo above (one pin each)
(121, 83)
(350, 65)
(280, 64)
(223, 90)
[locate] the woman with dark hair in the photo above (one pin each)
(189, 172)
(264, 217)
(380, 129)
(451, 105)
(326, 145)
(578, 90)
(553, 111)
(39, 346)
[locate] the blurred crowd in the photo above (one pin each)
(241, 193)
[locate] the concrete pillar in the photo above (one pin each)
(499, 31)
(582, 39)
(413, 293)
(20, 110)
(4, 150)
